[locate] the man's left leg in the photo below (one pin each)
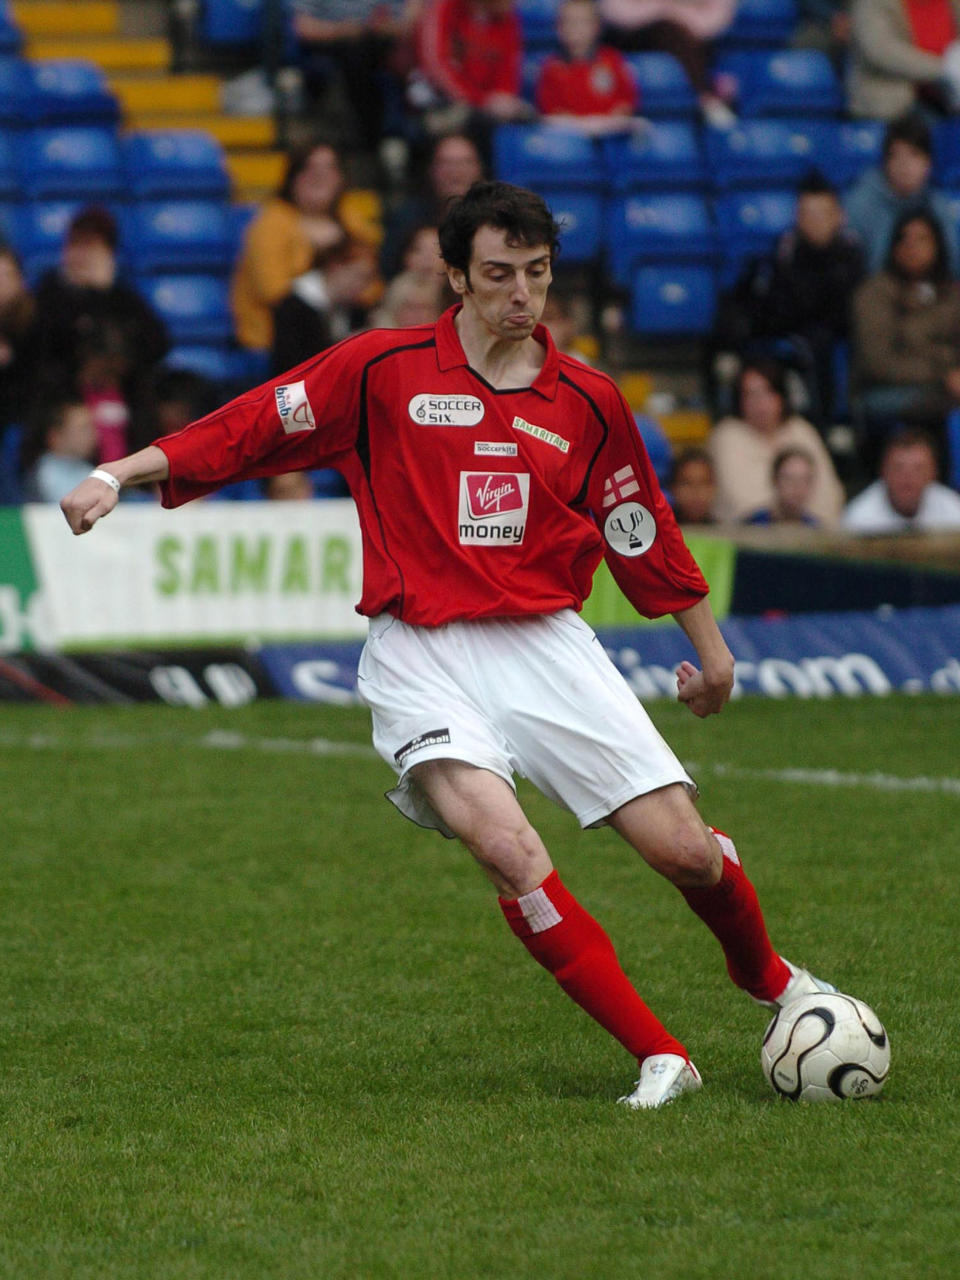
(666, 830)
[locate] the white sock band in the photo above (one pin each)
(538, 911)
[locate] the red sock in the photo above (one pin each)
(565, 939)
(730, 909)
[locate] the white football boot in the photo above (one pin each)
(663, 1077)
(802, 983)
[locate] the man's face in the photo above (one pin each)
(906, 472)
(507, 285)
(907, 168)
(819, 218)
(578, 27)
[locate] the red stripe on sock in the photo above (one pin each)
(580, 955)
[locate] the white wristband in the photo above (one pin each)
(107, 478)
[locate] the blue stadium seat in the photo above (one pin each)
(71, 91)
(749, 224)
(10, 182)
(541, 155)
(213, 363)
(83, 162)
(766, 152)
(761, 23)
(580, 215)
(850, 147)
(11, 37)
(178, 235)
(11, 225)
(16, 91)
(538, 18)
(946, 152)
(673, 301)
(530, 72)
(229, 22)
(665, 88)
(668, 228)
(196, 308)
(175, 162)
(666, 154)
(784, 82)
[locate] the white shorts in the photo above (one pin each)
(535, 696)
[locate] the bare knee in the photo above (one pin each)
(669, 834)
(692, 860)
(512, 855)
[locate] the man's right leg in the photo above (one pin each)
(482, 810)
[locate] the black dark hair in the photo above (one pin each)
(909, 438)
(522, 214)
(773, 372)
(95, 224)
(940, 271)
(815, 184)
(911, 129)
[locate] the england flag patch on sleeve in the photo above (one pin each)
(295, 410)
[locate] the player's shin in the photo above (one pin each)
(568, 941)
(731, 911)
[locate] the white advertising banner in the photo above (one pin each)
(212, 572)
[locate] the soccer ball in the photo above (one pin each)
(824, 1047)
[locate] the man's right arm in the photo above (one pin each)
(95, 497)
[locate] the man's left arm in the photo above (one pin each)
(705, 690)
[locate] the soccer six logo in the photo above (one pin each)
(493, 507)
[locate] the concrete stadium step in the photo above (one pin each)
(255, 174)
(61, 18)
(172, 94)
(113, 54)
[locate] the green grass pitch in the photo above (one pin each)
(255, 1026)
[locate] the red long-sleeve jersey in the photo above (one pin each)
(469, 53)
(473, 502)
(596, 86)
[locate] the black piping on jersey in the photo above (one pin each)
(362, 447)
(582, 492)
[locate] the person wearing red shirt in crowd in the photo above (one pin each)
(470, 54)
(491, 475)
(587, 85)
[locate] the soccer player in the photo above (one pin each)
(491, 475)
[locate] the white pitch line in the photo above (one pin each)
(229, 740)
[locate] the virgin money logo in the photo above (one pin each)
(491, 495)
(493, 507)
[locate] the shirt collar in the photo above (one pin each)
(450, 353)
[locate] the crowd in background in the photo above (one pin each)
(853, 317)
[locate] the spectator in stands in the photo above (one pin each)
(906, 350)
(454, 165)
(324, 305)
(469, 66)
(17, 340)
(292, 486)
(364, 43)
(907, 495)
(903, 54)
(180, 397)
(59, 450)
(743, 448)
(410, 299)
(82, 302)
(801, 293)
(901, 185)
(310, 214)
(792, 476)
(824, 25)
(692, 487)
(587, 85)
(566, 314)
(683, 28)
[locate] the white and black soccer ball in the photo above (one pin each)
(825, 1047)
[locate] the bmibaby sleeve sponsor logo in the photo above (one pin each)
(435, 737)
(493, 507)
(295, 410)
(446, 410)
